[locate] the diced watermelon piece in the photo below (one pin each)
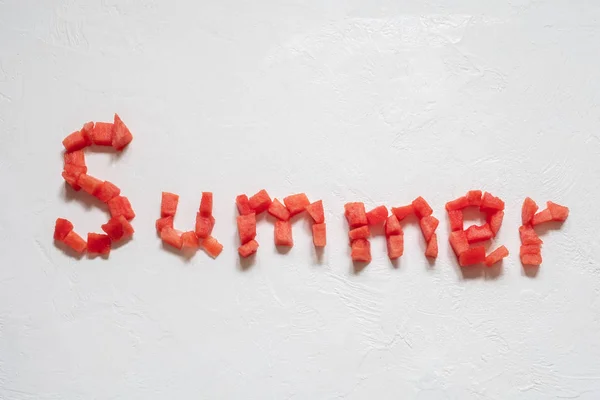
(243, 205)
(212, 246)
(120, 206)
(86, 131)
(531, 259)
(168, 204)
(472, 256)
(172, 237)
(432, 247)
(458, 241)
(296, 203)
(474, 197)
(422, 208)
(62, 227)
(428, 226)
(456, 218)
(559, 213)
(362, 232)
(248, 249)
(458, 204)
(377, 215)
(118, 228)
(75, 158)
(403, 211)
(75, 242)
(392, 226)
(490, 202)
(107, 191)
(71, 180)
(121, 136)
(496, 255)
(283, 234)
(102, 134)
(319, 234)
(528, 210)
(164, 222)
(260, 201)
(361, 250)
(189, 240)
(206, 204)
(476, 233)
(355, 214)
(542, 217)
(530, 249)
(495, 221)
(88, 183)
(315, 210)
(395, 246)
(246, 227)
(278, 210)
(75, 141)
(528, 235)
(75, 170)
(98, 243)
(204, 225)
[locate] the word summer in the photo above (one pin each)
(467, 243)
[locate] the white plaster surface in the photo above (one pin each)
(377, 101)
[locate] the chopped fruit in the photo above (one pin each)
(355, 214)
(88, 183)
(458, 204)
(121, 136)
(62, 227)
(172, 237)
(168, 204)
(531, 259)
(278, 210)
(392, 226)
(71, 180)
(541, 217)
(359, 233)
(243, 205)
(75, 242)
(102, 134)
(476, 233)
(377, 215)
(246, 227)
(296, 203)
(212, 246)
(528, 210)
(456, 218)
(490, 202)
(432, 247)
(528, 235)
(422, 208)
(204, 225)
(248, 249)
(118, 228)
(558, 212)
(395, 246)
(361, 250)
(75, 170)
(496, 255)
(120, 206)
(75, 158)
(206, 204)
(163, 222)
(428, 226)
(315, 210)
(458, 241)
(86, 131)
(260, 202)
(283, 233)
(530, 249)
(107, 191)
(474, 197)
(189, 240)
(98, 243)
(495, 221)
(403, 212)
(75, 141)
(472, 256)
(319, 234)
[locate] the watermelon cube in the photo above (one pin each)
(476, 233)
(118, 228)
(278, 210)
(490, 202)
(472, 256)
(283, 234)
(496, 255)
(248, 249)
(428, 226)
(189, 240)
(75, 141)
(168, 204)
(319, 234)
(474, 197)
(528, 235)
(121, 136)
(76, 158)
(395, 246)
(107, 191)
(296, 203)
(246, 227)
(204, 225)
(528, 210)
(88, 183)
(243, 205)
(72, 173)
(392, 226)
(212, 246)
(361, 251)
(355, 214)
(359, 233)
(260, 201)
(559, 213)
(403, 212)
(120, 206)
(377, 215)
(456, 218)
(98, 243)
(86, 131)
(102, 134)
(171, 237)
(62, 227)
(458, 204)
(542, 217)
(530, 249)
(163, 222)
(531, 259)
(206, 204)
(432, 247)
(422, 208)
(315, 210)
(75, 242)
(458, 241)
(495, 221)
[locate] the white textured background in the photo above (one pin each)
(377, 100)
